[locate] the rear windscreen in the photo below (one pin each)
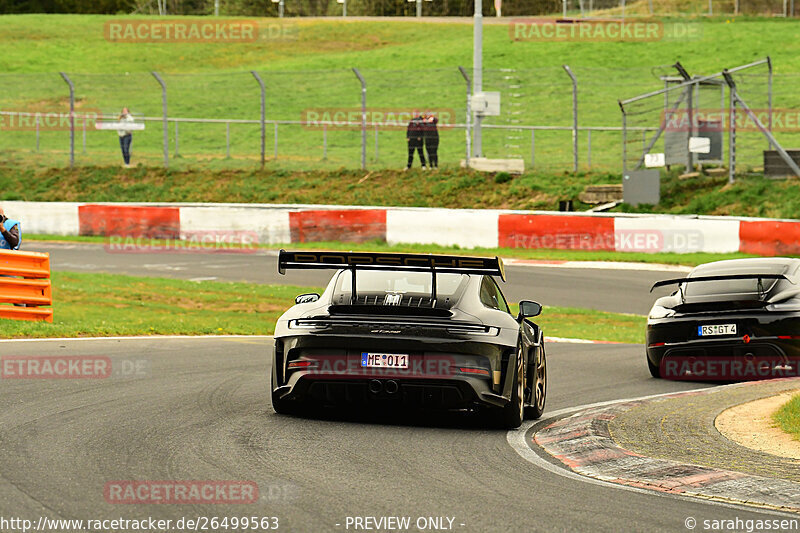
(401, 288)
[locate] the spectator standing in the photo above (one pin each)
(414, 135)
(431, 139)
(125, 136)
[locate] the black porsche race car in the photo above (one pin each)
(426, 331)
(728, 321)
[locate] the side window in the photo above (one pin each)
(486, 293)
(501, 300)
(491, 295)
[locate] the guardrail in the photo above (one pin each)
(24, 279)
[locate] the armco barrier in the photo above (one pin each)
(466, 228)
(29, 285)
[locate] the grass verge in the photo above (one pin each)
(788, 417)
(109, 305)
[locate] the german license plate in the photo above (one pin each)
(384, 360)
(716, 329)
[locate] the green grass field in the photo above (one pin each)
(407, 65)
(788, 417)
(750, 196)
(105, 305)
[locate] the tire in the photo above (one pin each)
(538, 381)
(655, 370)
(513, 413)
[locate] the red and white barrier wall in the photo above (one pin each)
(467, 228)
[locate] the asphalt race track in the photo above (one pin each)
(199, 409)
(621, 291)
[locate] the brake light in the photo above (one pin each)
(471, 370)
(788, 337)
(656, 344)
(301, 364)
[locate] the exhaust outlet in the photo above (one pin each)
(392, 386)
(375, 386)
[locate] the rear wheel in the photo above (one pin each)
(655, 370)
(538, 386)
(514, 411)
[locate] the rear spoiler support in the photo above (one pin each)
(449, 264)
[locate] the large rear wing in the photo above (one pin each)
(451, 264)
(759, 277)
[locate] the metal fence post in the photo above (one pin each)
(574, 118)
(164, 111)
(624, 139)
(533, 146)
(263, 111)
(275, 137)
(177, 153)
(71, 119)
(465, 74)
(363, 118)
(732, 133)
(769, 92)
(589, 148)
(228, 140)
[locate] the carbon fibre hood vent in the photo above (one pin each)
(388, 310)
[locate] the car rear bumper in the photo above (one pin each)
(445, 394)
(765, 357)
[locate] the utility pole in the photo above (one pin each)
(477, 73)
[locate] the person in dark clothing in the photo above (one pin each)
(431, 139)
(414, 136)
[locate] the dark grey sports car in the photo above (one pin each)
(728, 321)
(427, 331)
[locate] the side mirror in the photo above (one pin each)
(307, 298)
(528, 309)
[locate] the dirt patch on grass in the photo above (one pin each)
(751, 425)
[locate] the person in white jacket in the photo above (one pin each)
(125, 136)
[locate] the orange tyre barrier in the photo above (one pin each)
(24, 281)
